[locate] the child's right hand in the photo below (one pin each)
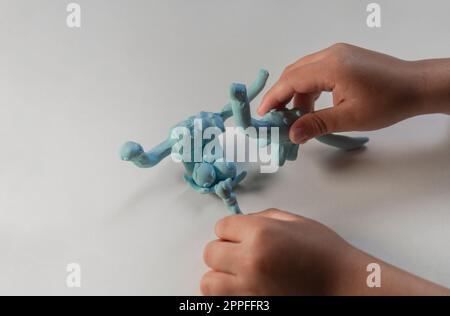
(370, 90)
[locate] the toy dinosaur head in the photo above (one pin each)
(204, 175)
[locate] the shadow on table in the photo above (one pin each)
(408, 174)
(389, 178)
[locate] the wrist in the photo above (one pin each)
(432, 84)
(350, 274)
(336, 272)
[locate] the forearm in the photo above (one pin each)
(434, 85)
(353, 275)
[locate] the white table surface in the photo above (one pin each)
(70, 97)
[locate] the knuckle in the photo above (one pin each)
(269, 211)
(338, 56)
(287, 72)
(304, 60)
(339, 47)
(289, 68)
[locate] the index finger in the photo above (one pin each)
(310, 78)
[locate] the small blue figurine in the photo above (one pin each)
(210, 175)
(218, 177)
(213, 174)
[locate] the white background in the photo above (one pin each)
(70, 97)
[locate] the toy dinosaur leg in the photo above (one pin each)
(224, 190)
(240, 105)
(232, 204)
(238, 179)
(258, 85)
(235, 209)
(255, 88)
(343, 142)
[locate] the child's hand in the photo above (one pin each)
(273, 253)
(370, 90)
(278, 253)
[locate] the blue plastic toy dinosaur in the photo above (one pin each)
(213, 174)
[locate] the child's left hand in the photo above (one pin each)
(274, 253)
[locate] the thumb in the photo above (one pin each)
(317, 123)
